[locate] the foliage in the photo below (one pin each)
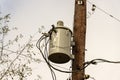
(15, 59)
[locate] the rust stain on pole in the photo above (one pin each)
(79, 38)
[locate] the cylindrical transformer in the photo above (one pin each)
(60, 44)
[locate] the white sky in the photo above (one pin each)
(103, 32)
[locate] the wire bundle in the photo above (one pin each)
(95, 61)
(44, 39)
(44, 55)
(43, 42)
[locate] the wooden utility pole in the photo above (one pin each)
(79, 38)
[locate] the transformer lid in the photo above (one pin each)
(60, 25)
(63, 28)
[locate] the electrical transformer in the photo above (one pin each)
(60, 44)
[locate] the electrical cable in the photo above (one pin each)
(45, 49)
(48, 63)
(95, 61)
(86, 64)
(104, 11)
(46, 56)
(45, 39)
(38, 46)
(52, 72)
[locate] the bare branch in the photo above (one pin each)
(15, 59)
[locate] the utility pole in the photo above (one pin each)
(79, 32)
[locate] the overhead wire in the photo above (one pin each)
(104, 11)
(51, 67)
(45, 51)
(43, 37)
(38, 46)
(95, 61)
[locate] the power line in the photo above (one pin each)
(45, 39)
(104, 11)
(38, 46)
(86, 64)
(95, 61)
(44, 55)
(104, 60)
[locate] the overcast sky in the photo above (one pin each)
(102, 37)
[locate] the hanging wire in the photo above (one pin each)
(45, 38)
(45, 56)
(45, 49)
(104, 11)
(95, 61)
(38, 46)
